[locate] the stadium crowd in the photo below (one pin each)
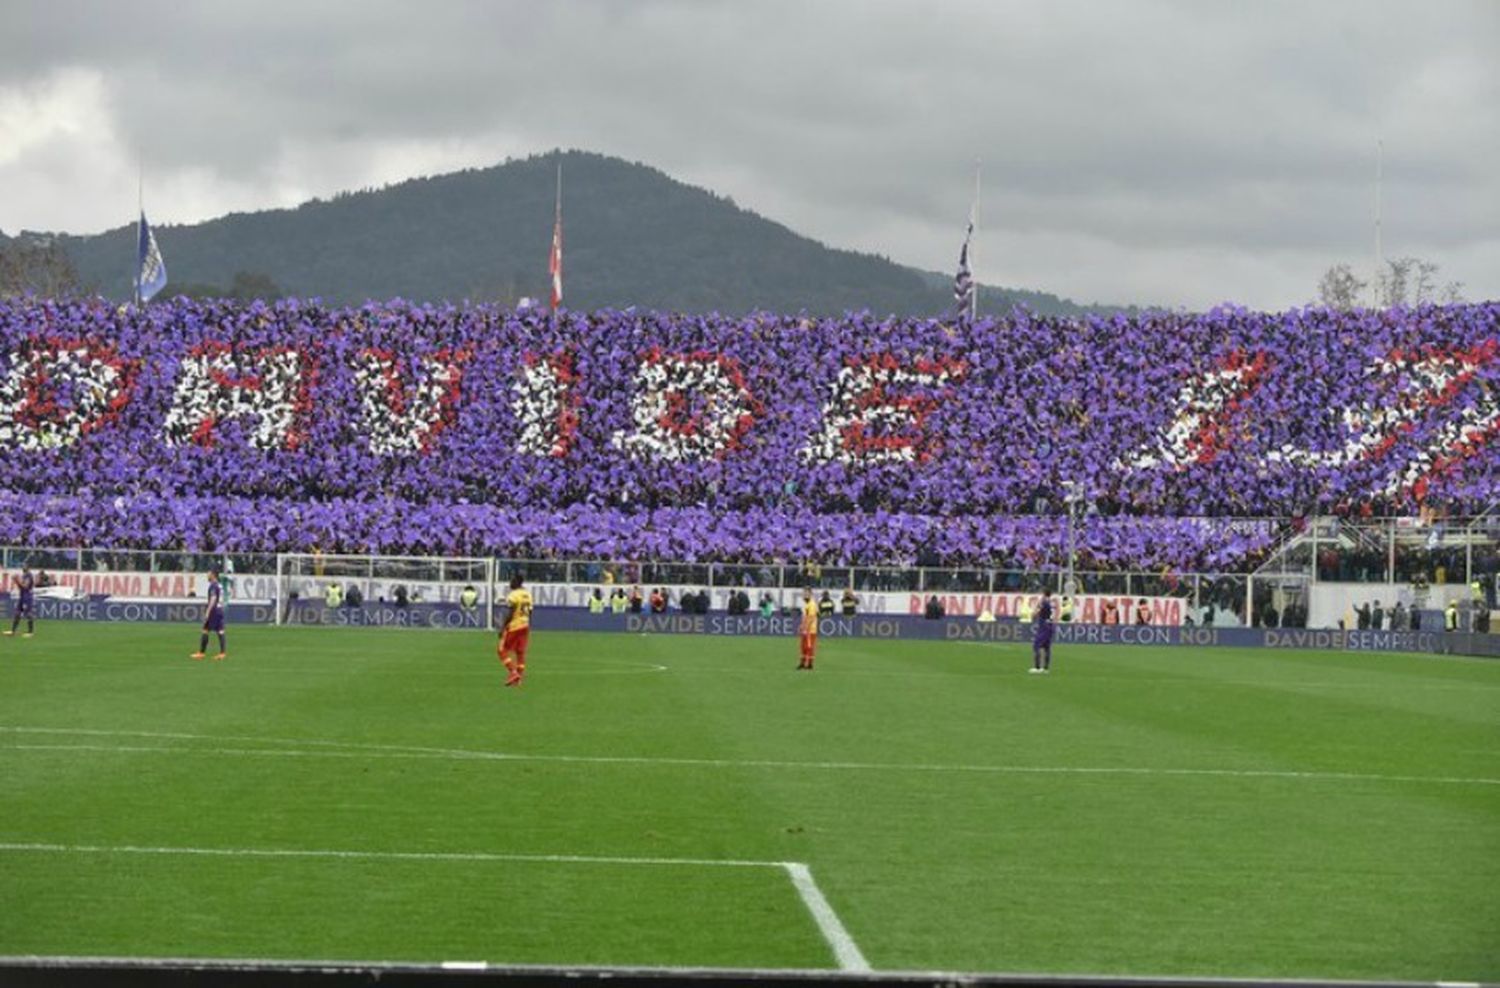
(435, 429)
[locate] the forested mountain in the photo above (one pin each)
(634, 236)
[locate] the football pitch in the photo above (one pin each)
(354, 794)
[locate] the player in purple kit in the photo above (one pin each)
(1041, 635)
(213, 617)
(25, 585)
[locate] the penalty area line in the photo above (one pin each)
(845, 951)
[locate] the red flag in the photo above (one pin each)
(554, 260)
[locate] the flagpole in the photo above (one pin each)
(140, 220)
(557, 244)
(974, 268)
(1379, 253)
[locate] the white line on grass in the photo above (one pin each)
(845, 951)
(341, 749)
(294, 852)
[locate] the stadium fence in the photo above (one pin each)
(1324, 565)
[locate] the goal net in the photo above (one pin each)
(384, 591)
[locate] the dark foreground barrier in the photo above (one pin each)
(101, 973)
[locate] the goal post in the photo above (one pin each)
(396, 591)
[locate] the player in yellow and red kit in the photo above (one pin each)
(809, 629)
(515, 631)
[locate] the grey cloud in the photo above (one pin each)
(1243, 132)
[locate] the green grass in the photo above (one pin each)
(1382, 860)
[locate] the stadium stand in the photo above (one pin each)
(444, 430)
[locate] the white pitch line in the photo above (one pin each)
(295, 852)
(338, 749)
(845, 951)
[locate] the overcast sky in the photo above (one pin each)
(1181, 153)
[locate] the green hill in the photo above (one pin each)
(634, 237)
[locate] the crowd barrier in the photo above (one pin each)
(907, 628)
(99, 607)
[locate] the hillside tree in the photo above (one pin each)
(37, 268)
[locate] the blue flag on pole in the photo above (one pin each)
(963, 282)
(151, 270)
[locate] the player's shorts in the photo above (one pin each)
(215, 620)
(24, 607)
(515, 641)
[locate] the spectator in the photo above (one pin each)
(1377, 617)
(1143, 611)
(400, 596)
(468, 598)
(1363, 617)
(1399, 620)
(767, 606)
(618, 602)
(825, 605)
(934, 609)
(658, 601)
(637, 599)
(353, 597)
(596, 602)
(333, 596)
(849, 604)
